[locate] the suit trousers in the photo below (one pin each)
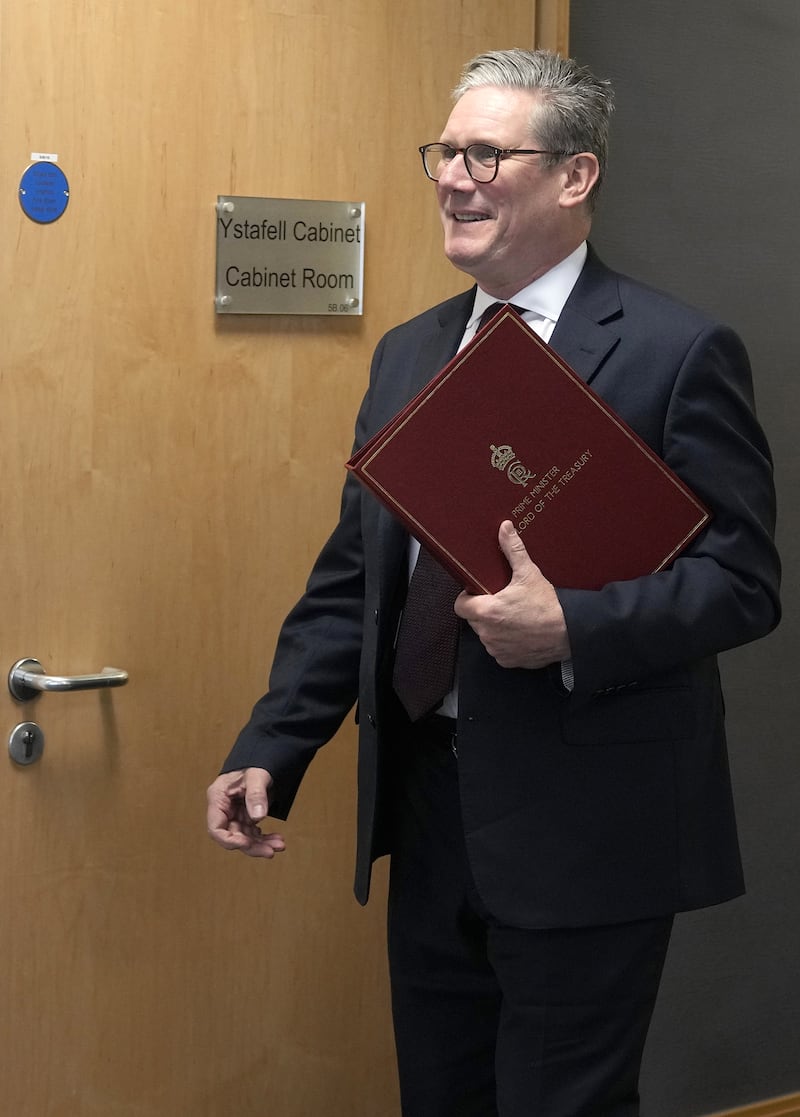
(493, 1020)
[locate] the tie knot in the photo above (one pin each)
(494, 308)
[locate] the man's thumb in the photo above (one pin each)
(257, 781)
(513, 548)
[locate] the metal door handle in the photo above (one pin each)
(27, 678)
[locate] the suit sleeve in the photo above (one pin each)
(723, 591)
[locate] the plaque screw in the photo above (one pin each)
(355, 211)
(352, 303)
(224, 300)
(225, 207)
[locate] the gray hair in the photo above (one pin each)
(573, 109)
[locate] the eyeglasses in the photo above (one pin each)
(482, 161)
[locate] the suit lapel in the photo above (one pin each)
(586, 331)
(440, 343)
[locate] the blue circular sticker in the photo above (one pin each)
(43, 192)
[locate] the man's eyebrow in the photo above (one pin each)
(473, 143)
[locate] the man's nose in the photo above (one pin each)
(454, 175)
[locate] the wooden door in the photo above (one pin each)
(167, 477)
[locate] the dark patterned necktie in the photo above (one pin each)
(427, 642)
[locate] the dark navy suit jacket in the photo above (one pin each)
(612, 802)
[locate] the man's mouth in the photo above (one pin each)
(467, 217)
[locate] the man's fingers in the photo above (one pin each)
(261, 845)
(265, 845)
(227, 839)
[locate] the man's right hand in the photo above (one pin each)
(237, 803)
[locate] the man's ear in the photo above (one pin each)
(581, 172)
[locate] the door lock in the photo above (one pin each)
(26, 743)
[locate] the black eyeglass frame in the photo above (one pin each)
(498, 152)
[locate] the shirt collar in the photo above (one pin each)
(546, 295)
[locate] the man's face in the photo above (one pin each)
(507, 232)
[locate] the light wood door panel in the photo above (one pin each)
(167, 477)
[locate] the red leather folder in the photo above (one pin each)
(507, 431)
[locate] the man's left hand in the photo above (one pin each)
(522, 625)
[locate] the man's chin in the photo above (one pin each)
(463, 258)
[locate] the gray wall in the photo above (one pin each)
(702, 200)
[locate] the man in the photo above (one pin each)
(570, 793)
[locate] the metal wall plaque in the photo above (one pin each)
(285, 256)
(43, 192)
